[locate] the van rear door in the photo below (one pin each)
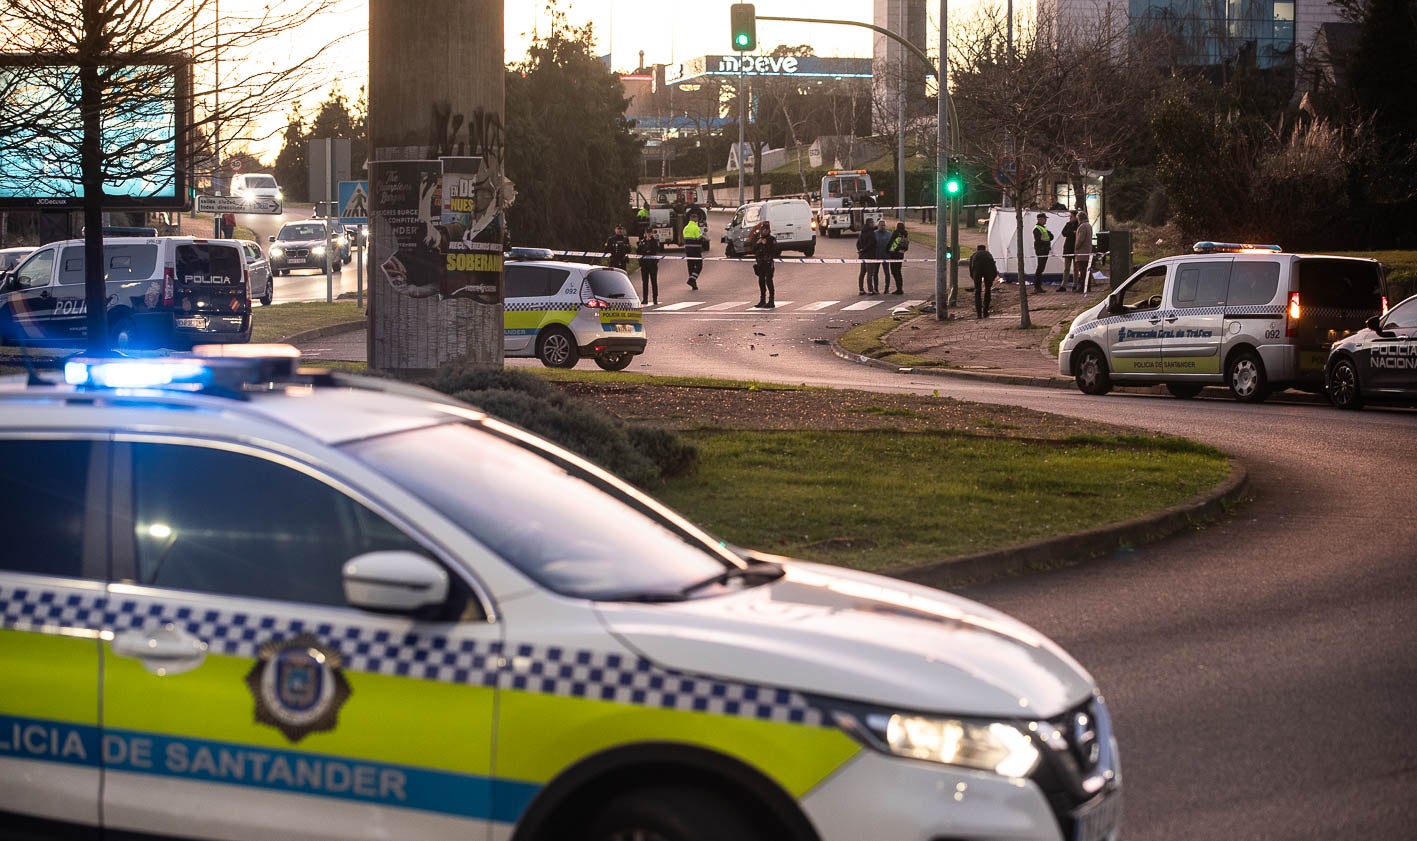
(1336, 296)
(211, 277)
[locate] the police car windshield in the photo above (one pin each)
(570, 534)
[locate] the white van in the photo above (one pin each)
(1248, 317)
(256, 186)
(791, 221)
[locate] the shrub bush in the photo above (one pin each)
(642, 455)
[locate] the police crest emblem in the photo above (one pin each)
(298, 686)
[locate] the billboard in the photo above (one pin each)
(144, 127)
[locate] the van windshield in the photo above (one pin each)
(260, 181)
(1340, 284)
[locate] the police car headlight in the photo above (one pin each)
(999, 747)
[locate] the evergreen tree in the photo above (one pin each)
(571, 154)
(291, 165)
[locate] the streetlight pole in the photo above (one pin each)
(738, 153)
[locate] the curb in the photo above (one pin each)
(322, 332)
(1006, 379)
(1071, 549)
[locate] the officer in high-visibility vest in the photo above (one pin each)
(1042, 245)
(642, 220)
(694, 249)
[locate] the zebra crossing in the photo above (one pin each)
(850, 305)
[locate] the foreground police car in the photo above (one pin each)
(560, 312)
(1252, 318)
(257, 603)
(1378, 362)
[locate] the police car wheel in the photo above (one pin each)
(1344, 389)
(1090, 371)
(1185, 391)
(1247, 378)
(672, 813)
(557, 348)
(614, 361)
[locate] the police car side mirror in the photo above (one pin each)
(394, 582)
(1375, 323)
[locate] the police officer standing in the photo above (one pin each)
(618, 249)
(764, 254)
(1042, 245)
(694, 250)
(648, 249)
(642, 219)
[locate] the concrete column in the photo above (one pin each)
(436, 91)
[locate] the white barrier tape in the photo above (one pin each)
(834, 261)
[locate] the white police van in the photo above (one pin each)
(162, 292)
(243, 600)
(1252, 318)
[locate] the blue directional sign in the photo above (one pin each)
(354, 202)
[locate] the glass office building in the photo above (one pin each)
(1207, 33)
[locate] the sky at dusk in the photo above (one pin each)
(668, 31)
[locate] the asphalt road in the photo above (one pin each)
(1263, 671)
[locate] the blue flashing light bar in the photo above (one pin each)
(1208, 247)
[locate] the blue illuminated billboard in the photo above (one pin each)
(144, 124)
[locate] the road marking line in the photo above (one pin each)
(819, 305)
(731, 305)
(682, 305)
(862, 305)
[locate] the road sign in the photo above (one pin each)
(354, 202)
(237, 204)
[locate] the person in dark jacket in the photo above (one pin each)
(983, 272)
(618, 249)
(866, 253)
(765, 252)
(1070, 231)
(899, 242)
(883, 252)
(649, 248)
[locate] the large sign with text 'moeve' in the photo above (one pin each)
(767, 65)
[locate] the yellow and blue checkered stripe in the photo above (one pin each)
(557, 705)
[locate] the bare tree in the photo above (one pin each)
(87, 84)
(1057, 104)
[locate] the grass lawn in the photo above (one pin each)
(889, 500)
(279, 322)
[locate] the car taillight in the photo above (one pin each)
(597, 304)
(1292, 315)
(1384, 305)
(169, 286)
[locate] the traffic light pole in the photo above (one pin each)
(943, 248)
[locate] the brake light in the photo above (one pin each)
(597, 304)
(1384, 305)
(169, 286)
(1292, 315)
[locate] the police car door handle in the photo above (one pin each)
(164, 650)
(1173, 319)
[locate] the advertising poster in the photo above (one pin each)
(445, 231)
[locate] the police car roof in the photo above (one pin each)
(349, 407)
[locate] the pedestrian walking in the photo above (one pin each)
(1082, 263)
(927, 202)
(883, 253)
(899, 243)
(866, 253)
(228, 225)
(1042, 245)
(694, 250)
(617, 249)
(983, 271)
(649, 248)
(1069, 241)
(765, 252)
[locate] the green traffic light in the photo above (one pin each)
(953, 187)
(742, 39)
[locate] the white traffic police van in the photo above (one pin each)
(240, 600)
(1252, 318)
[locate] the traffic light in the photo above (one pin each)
(745, 27)
(954, 182)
